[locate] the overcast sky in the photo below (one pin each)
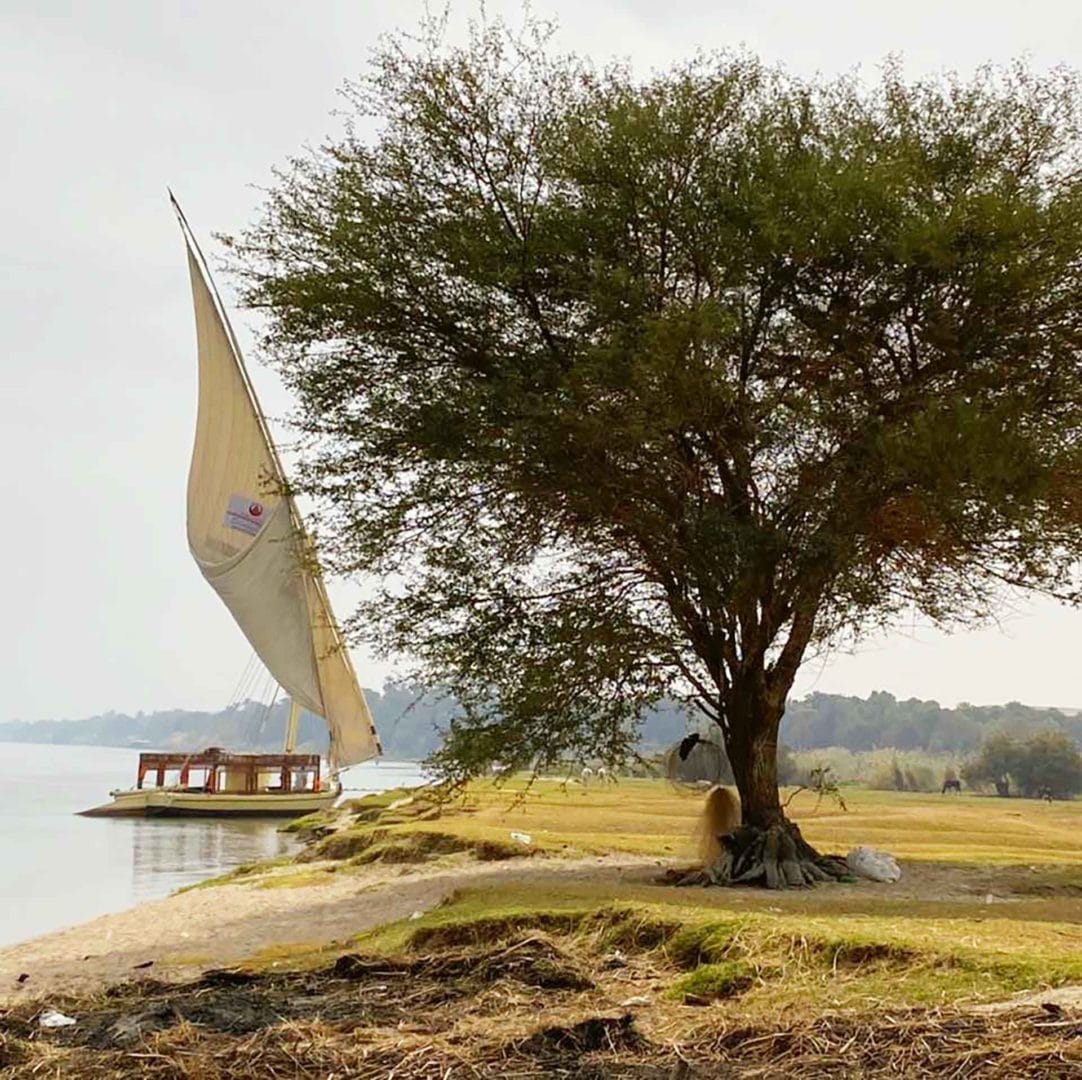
(102, 105)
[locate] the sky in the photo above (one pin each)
(103, 105)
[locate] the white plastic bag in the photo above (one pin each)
(53, 1019)
(875, 865)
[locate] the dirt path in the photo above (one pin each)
(205, 928)
(185, 934)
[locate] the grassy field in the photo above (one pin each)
(573, 962)
(650, 817)
(991, 892)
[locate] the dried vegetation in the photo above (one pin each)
(602, 992)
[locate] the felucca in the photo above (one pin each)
(248, 539)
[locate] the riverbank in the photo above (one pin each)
(60, 869)
(564, 940)
(202, 929)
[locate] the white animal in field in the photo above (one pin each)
(605, 776)
(586, 776)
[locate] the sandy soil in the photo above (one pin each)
(185, 934)
(193, 931)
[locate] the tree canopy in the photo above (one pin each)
(622, 387)
(1048, 760)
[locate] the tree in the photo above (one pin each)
(625, 387)
(1050, 759)
(997, 763)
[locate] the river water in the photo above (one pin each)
(58, 869)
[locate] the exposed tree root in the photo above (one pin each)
(777, 857)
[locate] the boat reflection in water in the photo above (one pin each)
(168, 853)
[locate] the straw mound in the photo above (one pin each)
(533, 1005)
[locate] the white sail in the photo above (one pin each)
(250, 544)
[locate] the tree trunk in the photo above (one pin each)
(753, 755)
(754, 716)
(767, 849)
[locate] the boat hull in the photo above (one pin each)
(162, 802)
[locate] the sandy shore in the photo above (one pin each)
(193, 931)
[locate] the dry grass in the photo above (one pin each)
(650, 817)
(916, 1045)
(801, 961)
(535, 992)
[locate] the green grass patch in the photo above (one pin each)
(307, 823)
(293, 956)
(710, 982)
(245, 872)
(300, 879)
(768, 960)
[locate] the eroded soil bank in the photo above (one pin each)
(539, 1001)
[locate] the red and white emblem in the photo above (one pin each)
(245, 514)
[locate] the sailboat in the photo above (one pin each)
(248, 540)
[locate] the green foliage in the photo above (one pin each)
(1050, 759)
(631, 388)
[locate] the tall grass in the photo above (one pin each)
(875, 768)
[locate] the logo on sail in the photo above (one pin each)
(246, 515)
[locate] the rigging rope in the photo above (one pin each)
(243, 682)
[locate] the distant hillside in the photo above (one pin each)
(409, 722)
(407, 733)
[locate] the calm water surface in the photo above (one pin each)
(57, 869)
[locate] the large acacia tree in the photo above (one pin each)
(630, 387)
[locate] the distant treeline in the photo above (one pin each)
(409, 721)
(881, 720)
